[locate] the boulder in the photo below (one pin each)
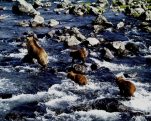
(78, 34)
(101, 20)
(21, 6)
(146, 15)
(37, 21)
(37, 3)
(71, 41)
(93, 41)
(118, 45)
(120, 25)
(106, 54)
(132, 47)
(53, 23)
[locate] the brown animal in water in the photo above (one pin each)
(77, 78)
(127, 88)
(80, 54)
(36, 52)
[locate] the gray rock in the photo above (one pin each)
(93, 41)
(37, 20)
(78, 34)
(94, 10)
(148, 15)
(118, 45)
(98, 28)
(120, 25)
(37, 3)
(46, 4)
(53, 23)
(72, 41)
(21, 6)
(102, 3)
(51, 33)
(106, 54)
(101, 20)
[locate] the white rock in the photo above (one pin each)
(71, 41)
(120, 25)
(93, 41)
(119, 45)
(25, 7)
(53, 22)
(38, 19)
(108, 54)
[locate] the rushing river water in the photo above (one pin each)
(40, 93)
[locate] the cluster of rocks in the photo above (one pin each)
(82, 8)
(107, 104)
(101, 23)
(139, 9)
(110, 50)
(38, 21)
(22, 7)
(69, 35)
(38, 4)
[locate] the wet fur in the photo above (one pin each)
(77, 78)
(127, 88)
(80, 54)
(37, 52)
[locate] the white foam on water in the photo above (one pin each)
(8, 104)
(92, 115)
(61, 102)
(113, 66)
(18, 55)
(29, 68)
(3, 82)
(5, 69)
(52, 58)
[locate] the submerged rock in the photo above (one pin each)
(132, 47)
(107, 104)
(26, 110)
(2, 8)
(5, 96)
(21, 6)
(94, 66)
